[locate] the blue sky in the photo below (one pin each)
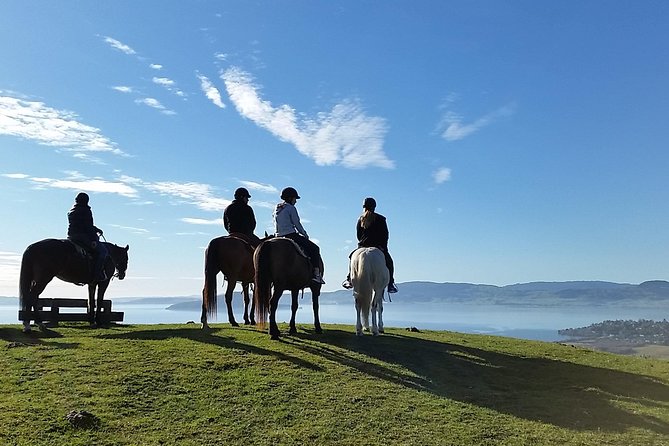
(504, 141)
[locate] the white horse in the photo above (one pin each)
(369, 276)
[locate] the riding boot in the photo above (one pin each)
(317, 276)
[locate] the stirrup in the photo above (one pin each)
(347, 284)
(318, 279)
(392, 288)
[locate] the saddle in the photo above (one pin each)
(83, 250)
(244, 238)
(297, 246)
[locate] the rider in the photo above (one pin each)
(81, 230)
(372, 232)
(287, 224)
(238, 217)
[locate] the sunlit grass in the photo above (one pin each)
(175, 384)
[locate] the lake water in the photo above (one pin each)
(538, 323)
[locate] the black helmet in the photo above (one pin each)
(242, 193)
(81, 198)
(369, 203)
(289, 193)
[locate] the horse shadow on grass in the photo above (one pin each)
(211, 336)
(551, 391)
(16, 338)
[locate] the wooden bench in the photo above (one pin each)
(54, 315)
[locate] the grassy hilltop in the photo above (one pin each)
(177, 385)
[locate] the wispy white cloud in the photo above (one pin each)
(202, 221)
(156, 66)
(16, 176)
(169, 85)
(453, 129)
(130, 229)
(51, 127)
(79, 183)
(10, 265)
(442, 175)
(345, 135)
(211, 91)
(123, 89)
(119, 46)
(198, 194)
(264, 188)
(221, 57)
(155, 103)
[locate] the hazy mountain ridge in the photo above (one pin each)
(573, 293)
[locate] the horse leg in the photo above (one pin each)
(293, 311)
(252, 311)
(245, 295)
(102, 287)
(314, 303)
(228, 300)
(375, 327)
(379, 309)
(91, 304)
(273, 305)
(203, 317)
(358, 321)
(33, 304)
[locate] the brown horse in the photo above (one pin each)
(46, 259)
(279, 264)
(233, 256)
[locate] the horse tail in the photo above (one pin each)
(361, 276)
(209, 293)
(25, 278)
(263, 282)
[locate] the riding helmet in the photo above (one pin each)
(242, 193)
(81, 198)
(289, 193)
(369, 203)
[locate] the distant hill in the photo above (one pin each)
(575, 293)
(595, 293)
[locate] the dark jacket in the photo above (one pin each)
(81, 227)
(239, 217)
(375, 236)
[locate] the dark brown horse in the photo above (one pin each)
(233, 256)
(46, 259)
(280, 265)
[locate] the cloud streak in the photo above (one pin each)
(343, 136)
(442, 175)
(155, 103)
(119, 46)
(453, 128)
(198, 194)
(211, 91)
(78, 183)
(51, 127)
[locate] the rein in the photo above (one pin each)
(115, 274)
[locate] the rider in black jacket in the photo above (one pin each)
(372, 232)
(239, 218)
(81, 230)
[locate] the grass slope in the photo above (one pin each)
(175, 384)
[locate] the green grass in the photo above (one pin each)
(175, 384)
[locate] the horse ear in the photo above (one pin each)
(127, 247)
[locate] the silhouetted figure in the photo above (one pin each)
(82, 231)
(239, 218)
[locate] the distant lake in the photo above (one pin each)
(524, 322)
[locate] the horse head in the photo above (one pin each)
(119, 256)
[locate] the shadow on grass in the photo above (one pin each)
(538, 389)
(16, 338)
(211, 336)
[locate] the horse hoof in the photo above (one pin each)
(274, 337)
(358, 333)
(94, 325)
(205, 326)
(381, 330)
(292, 332)
(318, 330)
(26, 329)
(41, 326)
(234, 324)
